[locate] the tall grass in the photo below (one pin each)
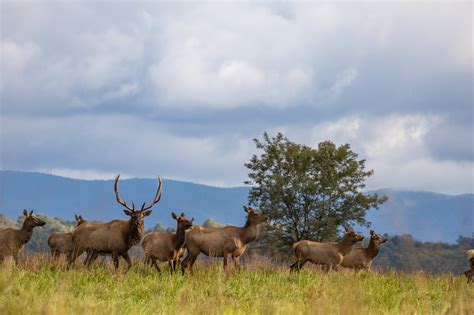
(39, 286)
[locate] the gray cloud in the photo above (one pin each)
(183, 88)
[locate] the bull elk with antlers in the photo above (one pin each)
(13, 240)
(118, 236)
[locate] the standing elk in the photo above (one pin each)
(12, 240)
(470, 273)
(361, 258)
(167, 246)
(116, 237)
(229, 241)
(61, 242)
(330, 255)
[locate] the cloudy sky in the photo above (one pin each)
(89, 89)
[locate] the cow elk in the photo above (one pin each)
(361, 258)
(167, 246)
(225, 242)
(12, 240)
(61, 242)
(116, 237)
(329, 255)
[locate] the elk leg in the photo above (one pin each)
(188, 262)
(15, 257)
(226, 257)
(115, 259)
(298, 265)
(171, 266)
(154, 263)
(128, 260)
(237, 262)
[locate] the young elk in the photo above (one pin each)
(118, 236)
(167, 246)
(470, 273)
(61, 242)
(12, 240)
(361, 258)
(330, 255)
(229, 241)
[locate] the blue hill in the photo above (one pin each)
(427, 216)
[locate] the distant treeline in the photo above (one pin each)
(401, 252)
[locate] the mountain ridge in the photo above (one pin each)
(428, 216)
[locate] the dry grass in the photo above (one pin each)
(39, 286)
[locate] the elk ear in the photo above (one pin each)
(81, 218)
(182, 214)
(76, 217)
(247, 209)
(25, 212)
(147, 213)
(128, 212)
(174, 216)
(31, 212)
(192, 220)
(372, 232)
(347, 229)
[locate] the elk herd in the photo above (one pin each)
(115, 238)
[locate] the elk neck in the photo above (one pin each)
(250, 232)
(135, 232)
(344, 246)
(179, 237)
(372, 249)
(25, 232)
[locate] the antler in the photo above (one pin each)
(157, 196)
(119, 200)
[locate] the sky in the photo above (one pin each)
(92, 89)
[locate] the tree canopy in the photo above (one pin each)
(308, 192)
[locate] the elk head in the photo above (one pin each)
(255, 217)
(183, 223)
(137, 216)
(377, 239)
(79, 219)
(351, 236)
(31, 220)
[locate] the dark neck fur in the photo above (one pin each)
(345, 245)
(250, 232)
(372, 250)
(26, 231)
(180, 237)
(135, 232)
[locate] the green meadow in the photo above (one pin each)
(38, 286)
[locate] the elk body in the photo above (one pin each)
(330, 255)
(229, 241)
(12, 240)
(116, 237)
(361, 258)
(470, 273)
(61, 242)
(167, 246)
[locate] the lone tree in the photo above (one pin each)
(308, 192)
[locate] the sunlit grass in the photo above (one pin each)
(41, 287)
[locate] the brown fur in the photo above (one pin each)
(116, 237)
(61, 242)
(13, 240)
(470, 273)
(361, 258)
(330, 255)
(229, 241)
(167, 246)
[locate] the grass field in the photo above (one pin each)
(39, 287)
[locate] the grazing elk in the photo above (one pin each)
(229, 241)
(470, 273)
(361, 258)
(167, 246)
(61, 242)
(118, 236)
(330, 255)
(12, 240)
